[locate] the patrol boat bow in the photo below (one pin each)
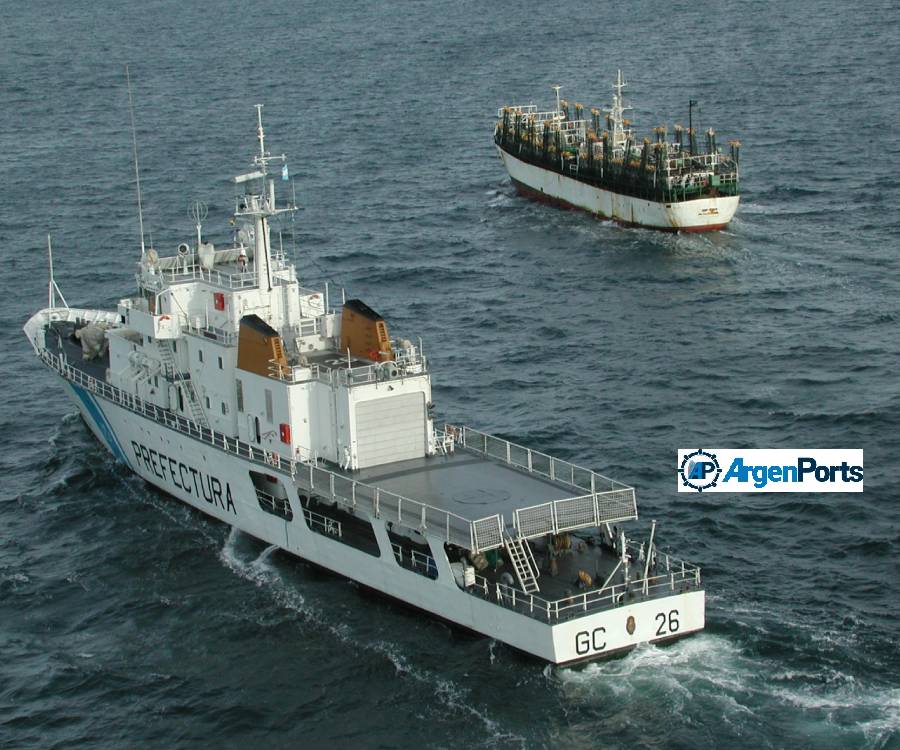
(228, 385)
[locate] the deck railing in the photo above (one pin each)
(480, 535)
(607, 501)
(403, 366)
(417, 561)
(680, 577)
(180, 270)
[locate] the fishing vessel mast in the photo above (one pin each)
(617, 119)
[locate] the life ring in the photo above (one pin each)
(372, 354)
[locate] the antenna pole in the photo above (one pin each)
(137, 172)
(52, 288)
(50, 261)
(261, 135)
(691, 104)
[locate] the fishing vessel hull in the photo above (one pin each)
(215, 481)
(698, 215)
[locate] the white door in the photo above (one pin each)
(390, 429)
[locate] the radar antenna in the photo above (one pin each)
(198, 211)
(557, 87)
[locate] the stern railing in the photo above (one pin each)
(678, 578)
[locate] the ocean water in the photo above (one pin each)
(128, 620)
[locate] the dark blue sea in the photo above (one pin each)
(129, 621)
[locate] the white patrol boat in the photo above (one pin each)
(227, 384)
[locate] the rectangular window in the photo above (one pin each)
(269, 410)
(200, 354)
(224, 409)
(220, 363)
(240, 394)
(207, 402)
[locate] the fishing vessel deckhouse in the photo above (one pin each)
(564, 158)
(299, 419)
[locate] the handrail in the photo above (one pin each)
(608, 501)
(534, 462)
(559, 610)
(416, 558)
(402, 367)
(193, 271)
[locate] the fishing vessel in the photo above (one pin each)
(295, 416)
(565, 158)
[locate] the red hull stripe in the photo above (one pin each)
(551, 200)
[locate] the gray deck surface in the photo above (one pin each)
(597, 561)
(59, 340)
(333, 360)
(464, 483)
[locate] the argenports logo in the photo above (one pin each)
(700, 470)
(775, 470)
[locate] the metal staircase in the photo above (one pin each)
(185, 382)
(523, 563)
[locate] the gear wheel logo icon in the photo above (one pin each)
(700, 470)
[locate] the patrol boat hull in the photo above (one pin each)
(210, 475)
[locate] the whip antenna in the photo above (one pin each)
(137, 172)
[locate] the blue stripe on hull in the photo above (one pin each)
(102, 425)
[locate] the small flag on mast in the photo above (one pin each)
(284, 172)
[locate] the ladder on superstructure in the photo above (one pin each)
(522, 559)
(187, 384)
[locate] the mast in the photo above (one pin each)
(617, 114)
(259, 206)
(263, 255)
(691, 104)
